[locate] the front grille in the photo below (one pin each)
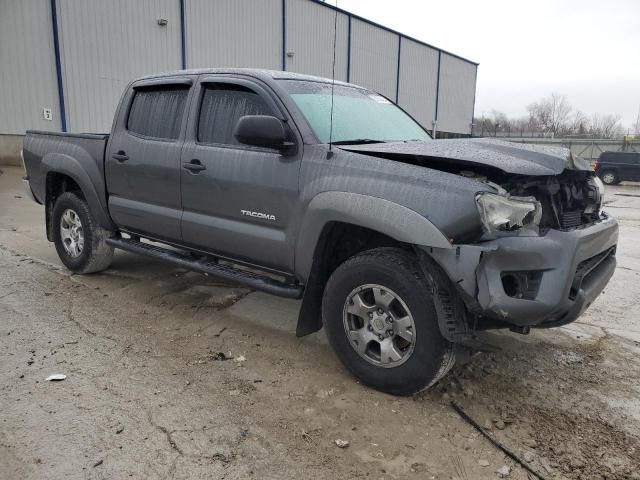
(570, 219)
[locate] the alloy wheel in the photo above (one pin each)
(71, 233)
(379, 325)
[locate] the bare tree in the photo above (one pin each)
(606, 126)
(579, 124)
(551, 114)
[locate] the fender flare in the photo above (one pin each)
(394, 220)
(82, 174)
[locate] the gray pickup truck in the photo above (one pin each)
(401, 246)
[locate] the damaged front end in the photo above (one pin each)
(571, 200)
(545, 252)
(533, 205)
(538, 250)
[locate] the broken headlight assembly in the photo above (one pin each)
(501, 213)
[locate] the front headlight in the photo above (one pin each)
(507, 214)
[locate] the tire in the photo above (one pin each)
(609, 177)
(81, 249)
(424, 361)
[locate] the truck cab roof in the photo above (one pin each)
(263, 74)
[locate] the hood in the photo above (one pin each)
(517, 158)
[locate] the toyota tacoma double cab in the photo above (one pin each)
(401, 246)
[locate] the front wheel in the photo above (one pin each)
(380, 319)
(80, 242)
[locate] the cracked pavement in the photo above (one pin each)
(153, 389)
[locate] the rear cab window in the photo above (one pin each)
(157, 112)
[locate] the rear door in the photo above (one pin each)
(238, 200)
(143, 157)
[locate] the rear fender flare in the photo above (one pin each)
(93, 192)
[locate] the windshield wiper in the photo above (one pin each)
(357, 141)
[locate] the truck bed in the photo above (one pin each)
(42, 149)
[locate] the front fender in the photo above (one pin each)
(87, 176)
(394, 220)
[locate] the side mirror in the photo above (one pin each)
(261, 131)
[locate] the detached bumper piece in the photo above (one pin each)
(211, 266)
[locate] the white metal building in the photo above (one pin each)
(65, 63)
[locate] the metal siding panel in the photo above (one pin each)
(457, 95)
(105, 45)
(418, 81)
(374, 58)
(28, 71)
(234, 33)
(310, 37)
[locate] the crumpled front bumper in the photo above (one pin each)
(570, 269)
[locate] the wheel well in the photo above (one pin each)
(338, 241)
(56, 185)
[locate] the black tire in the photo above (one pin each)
(399, 271)
(609, 177)
(96, 255)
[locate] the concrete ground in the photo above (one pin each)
(151, 392)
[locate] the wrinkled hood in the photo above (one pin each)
(518, 158)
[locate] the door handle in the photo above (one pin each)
(120, 156)
(194, 166)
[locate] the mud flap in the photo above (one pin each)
(310, 317)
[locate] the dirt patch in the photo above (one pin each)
(155, 390)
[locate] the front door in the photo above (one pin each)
(238, 200)
(143, 158)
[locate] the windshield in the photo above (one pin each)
(359, 115)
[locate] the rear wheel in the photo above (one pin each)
(610, 177)
(380, 319)
(79, 240)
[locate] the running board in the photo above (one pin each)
(209, 265)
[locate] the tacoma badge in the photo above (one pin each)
(264, 216)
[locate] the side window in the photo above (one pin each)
(157, 111)
(221, 108)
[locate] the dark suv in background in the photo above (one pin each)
(616, 167)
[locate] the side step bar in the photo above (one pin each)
(210, 266)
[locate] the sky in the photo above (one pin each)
(586, 49)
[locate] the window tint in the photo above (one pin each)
(222, 106)
(157, 112)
